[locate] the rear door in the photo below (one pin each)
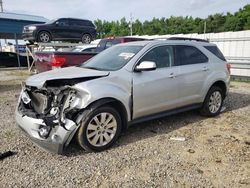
(194, 70)
(156, 91)
(77, 28)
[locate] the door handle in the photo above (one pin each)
(172, 75)
(205, 68)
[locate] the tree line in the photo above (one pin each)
(219, 22)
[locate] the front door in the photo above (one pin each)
(157, 90)
(61, 29)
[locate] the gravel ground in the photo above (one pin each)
(215, 153)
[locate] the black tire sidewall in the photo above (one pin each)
(205, 108)
(81, 135)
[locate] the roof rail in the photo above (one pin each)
(186, 38)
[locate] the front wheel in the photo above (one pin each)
(44, 37)
(100, 129)
(213, 102)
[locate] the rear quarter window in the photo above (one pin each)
(215, 50)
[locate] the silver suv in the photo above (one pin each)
(123, 85)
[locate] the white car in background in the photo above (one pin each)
(84, 48)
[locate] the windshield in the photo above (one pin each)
(51, 21)
(113, 58)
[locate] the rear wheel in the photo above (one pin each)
(86, 39)
(100, 129)
(44, 36)
(213, 102)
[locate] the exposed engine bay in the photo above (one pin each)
(52, 104)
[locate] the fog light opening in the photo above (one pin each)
(44, 131)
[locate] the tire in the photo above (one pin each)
(213, 102)
(99, 129)
(44, 37)
(86, 39)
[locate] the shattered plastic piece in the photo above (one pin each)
(217, 160)
(191, 151)
(247, 142)
(6, 154)
(178, 138)
(223, 109)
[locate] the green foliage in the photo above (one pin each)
(175, 25)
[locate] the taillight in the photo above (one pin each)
(57, 61)
(228, 68)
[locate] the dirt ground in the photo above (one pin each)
(215, 152)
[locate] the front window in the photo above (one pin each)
(113, 58)
(163, 56)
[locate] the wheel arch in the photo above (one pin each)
(221, 84)
(115, 103)
(83, 113)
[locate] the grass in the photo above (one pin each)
(19, 73)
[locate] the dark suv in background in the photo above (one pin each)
(63, 29)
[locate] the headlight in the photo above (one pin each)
(32, 27)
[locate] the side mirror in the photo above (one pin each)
(57, 23)
(145, 66)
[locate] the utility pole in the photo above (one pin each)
(1, 5)
(131, 24)
(205, 27)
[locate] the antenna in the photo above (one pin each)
(1, 5)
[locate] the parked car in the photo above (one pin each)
(10, 59)
(45, 61)
(63, 29)
(84, 48)
(124, 85)
(111, 41)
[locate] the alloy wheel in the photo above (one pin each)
(44, 37)
(101, 129)
(86, 39)
(215, 102)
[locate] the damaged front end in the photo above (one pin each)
(48, 114)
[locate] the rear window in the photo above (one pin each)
(87, 23)
(214, 50)
(188, 55)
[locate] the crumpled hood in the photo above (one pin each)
(39, 80)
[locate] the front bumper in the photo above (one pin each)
(29, 36)
(58, 139)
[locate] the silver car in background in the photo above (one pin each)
(124, 85)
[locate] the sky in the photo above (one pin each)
(116, 9)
